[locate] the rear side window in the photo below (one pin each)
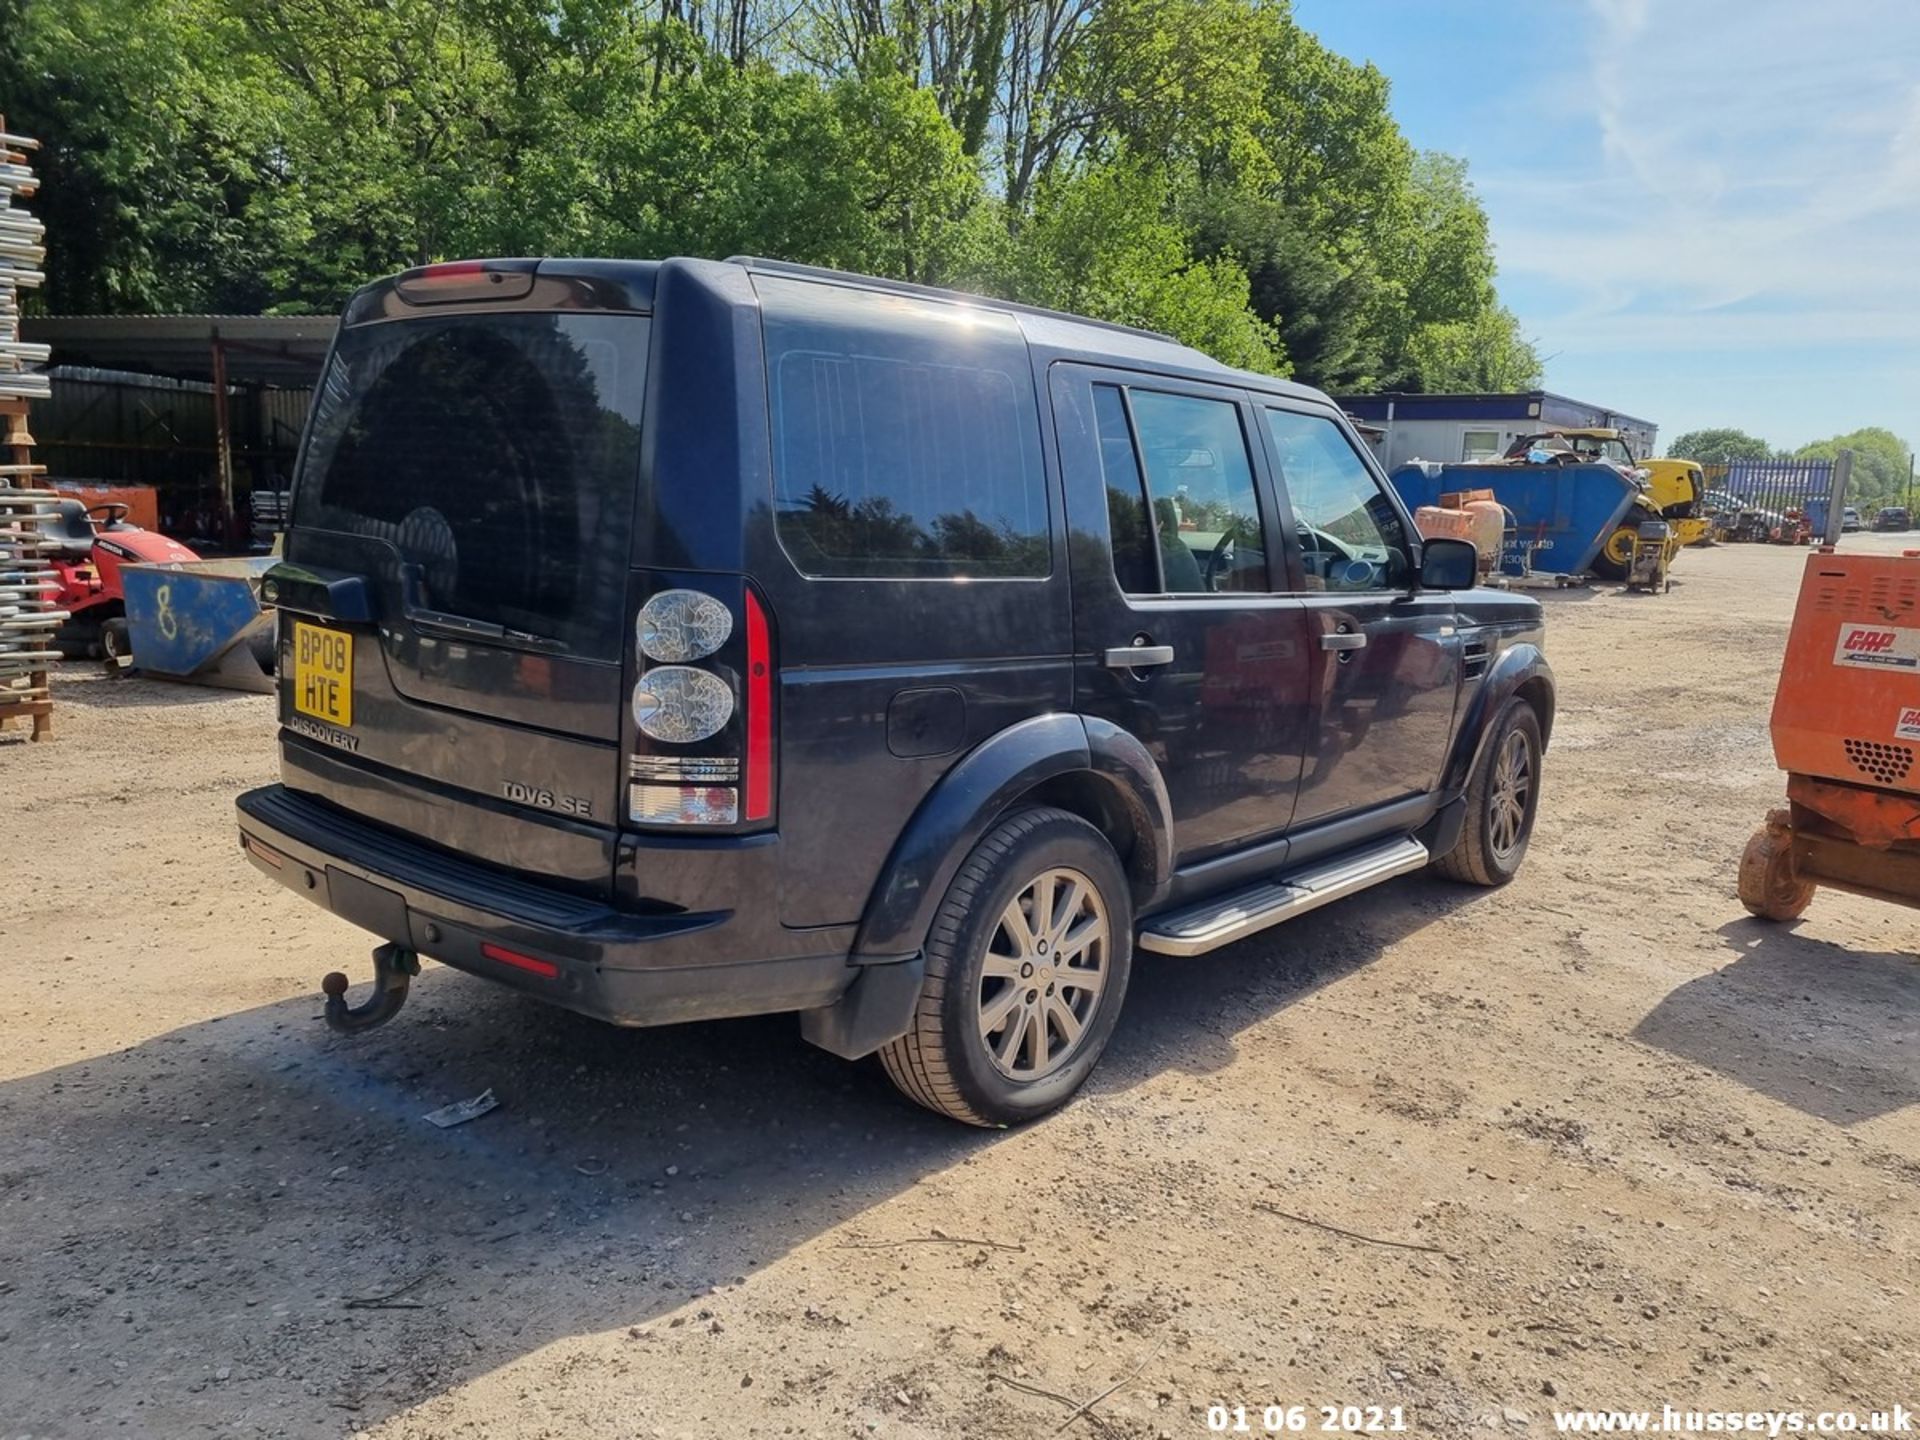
(497, 453)
(905, 437)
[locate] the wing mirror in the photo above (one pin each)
(1448, 564)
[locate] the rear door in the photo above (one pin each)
(466, 495)
(1180, 636)
(1385, 657)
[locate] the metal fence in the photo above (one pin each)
(116, 428)
(1757, 499)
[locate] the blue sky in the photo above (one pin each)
(1706, 211)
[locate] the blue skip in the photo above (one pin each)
(201, 621)
(1563, 514)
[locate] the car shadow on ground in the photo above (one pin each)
(1566, 594)
(231, 1186)
(1840, 1042)
(90, 683)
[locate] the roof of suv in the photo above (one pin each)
(1061, 336)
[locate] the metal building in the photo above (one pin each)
(1455, 428)
(207, 409)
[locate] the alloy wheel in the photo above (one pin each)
(1512, 791)
(1041, 980)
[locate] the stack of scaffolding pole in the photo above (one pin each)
(21, 256)
(27, 617)
(27, 586)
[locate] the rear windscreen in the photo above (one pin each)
(497, 453)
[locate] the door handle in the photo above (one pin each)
(1344, 640)
(1138, 657)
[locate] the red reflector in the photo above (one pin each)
(545, 969)
(759, 787)
(272, 857)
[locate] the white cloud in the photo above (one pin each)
(1751, 176)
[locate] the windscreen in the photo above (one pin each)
(496, 453)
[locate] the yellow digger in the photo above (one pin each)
(1671, 490)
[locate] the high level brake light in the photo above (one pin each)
(466, 280)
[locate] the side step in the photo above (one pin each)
(1213, 923)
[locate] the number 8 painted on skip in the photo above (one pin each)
(169, 626)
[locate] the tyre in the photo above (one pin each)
(1502, 797)
(1616, 556)
(1768, 886)
(1027, 966)
(115, 641)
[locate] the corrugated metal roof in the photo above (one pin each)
(261, 349)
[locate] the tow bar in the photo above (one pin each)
(393, 968)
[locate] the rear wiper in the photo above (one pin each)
(429, 621)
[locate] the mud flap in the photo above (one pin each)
(877, 1008)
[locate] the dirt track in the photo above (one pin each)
(1660, 1152)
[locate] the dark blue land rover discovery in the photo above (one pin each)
(689, 639)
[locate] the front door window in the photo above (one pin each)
(1351, 534)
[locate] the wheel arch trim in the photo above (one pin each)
(967, 802)
(1520, 669)
(991, 779)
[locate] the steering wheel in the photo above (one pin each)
(1218, 559)
(114, 509)
(1318, 542)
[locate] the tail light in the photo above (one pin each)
(759, 713)
(702, 706)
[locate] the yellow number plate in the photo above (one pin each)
(323, 673)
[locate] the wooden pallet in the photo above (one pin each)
(18, 448)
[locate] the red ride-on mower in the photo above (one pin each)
(86, 554)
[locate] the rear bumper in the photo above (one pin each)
(572, 951)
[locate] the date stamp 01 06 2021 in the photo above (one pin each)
(1306, 1419)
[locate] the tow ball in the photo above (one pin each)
(393, 969)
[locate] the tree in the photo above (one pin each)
(156, 139)
(1717, 443)
(1320, 306)
(1486, 353)
(1204, 167)
(1104, 243)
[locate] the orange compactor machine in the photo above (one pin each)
(1846, 729)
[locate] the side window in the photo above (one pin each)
(905, 445)
(1478, 445)
(1351, 535)
(1135, 565)
(1195, 517)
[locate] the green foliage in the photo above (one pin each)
(1204, 167)
(1321, 306)
(1103, 243)
(1486, 352)
(1716, 443)
(1882, 465)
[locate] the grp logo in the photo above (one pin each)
(1877, 647)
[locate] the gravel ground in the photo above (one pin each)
(1629, 1146)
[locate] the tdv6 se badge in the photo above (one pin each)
(546, 799)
